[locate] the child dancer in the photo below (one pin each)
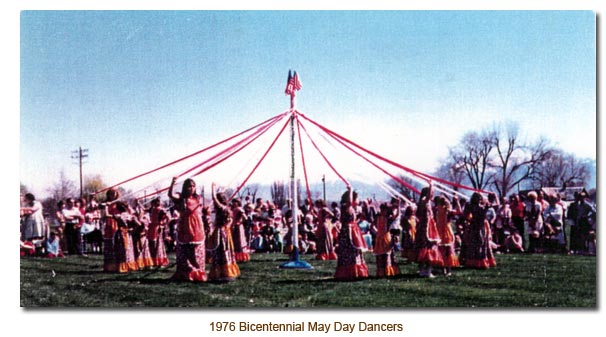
(155, 235)
(446, 246)
(190, 236)
(123, 242)
(426, 237)
(384, 249)
(350, 257)
(324, 240)
(221, 246)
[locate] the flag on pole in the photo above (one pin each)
(296, 82)
(292, 83)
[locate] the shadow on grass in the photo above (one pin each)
(329, 280)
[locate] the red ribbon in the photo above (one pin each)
(195, 153)
(425, 176)
(259, 162)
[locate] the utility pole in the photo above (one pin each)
(79, 155)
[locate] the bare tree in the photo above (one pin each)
(279, 193)
(401, 188)
(473, 154)
(515, 162)
(63, 189)
(452, 171)
(562, 169)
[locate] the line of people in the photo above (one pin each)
(435, 232)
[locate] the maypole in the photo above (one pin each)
(292, 85)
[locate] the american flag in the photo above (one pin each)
(292, 84)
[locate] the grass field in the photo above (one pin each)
(519, 281)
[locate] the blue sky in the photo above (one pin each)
(141, 88)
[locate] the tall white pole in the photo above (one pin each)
(293, 185)
(294, 257)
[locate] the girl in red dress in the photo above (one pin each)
(190, 248)
(426, 236)
(351, 247)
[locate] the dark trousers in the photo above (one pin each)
(73, 238)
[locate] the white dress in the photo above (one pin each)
(34, 223)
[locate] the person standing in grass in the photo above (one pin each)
(351, 246)
(447, 239)
(124, 250)
(409, 229)
(190, 248)
(241, 250)
(427, 237)
(221, 246)
(478, 253)
(155, 235)
(140, 225)
(384, 248)
(324, 241)
(109, 230)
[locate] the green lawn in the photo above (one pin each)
(519, 281)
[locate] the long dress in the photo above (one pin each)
(478, 253)
(350, 249)
(383, 250)
(33, 227)
(109, 231)
(325, 249)
(142, 252)
(155, 236)
(241, 249)
(427, 238)
(408, 237)
(446, 246)
(124, 252)
(190, 248)
(221, 248)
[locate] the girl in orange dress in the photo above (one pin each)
(221, 246)
(158, 221)
(446, 246)
(426, 237)
(384, 245)
(190, 248)
(141, 223)
(124, 252)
